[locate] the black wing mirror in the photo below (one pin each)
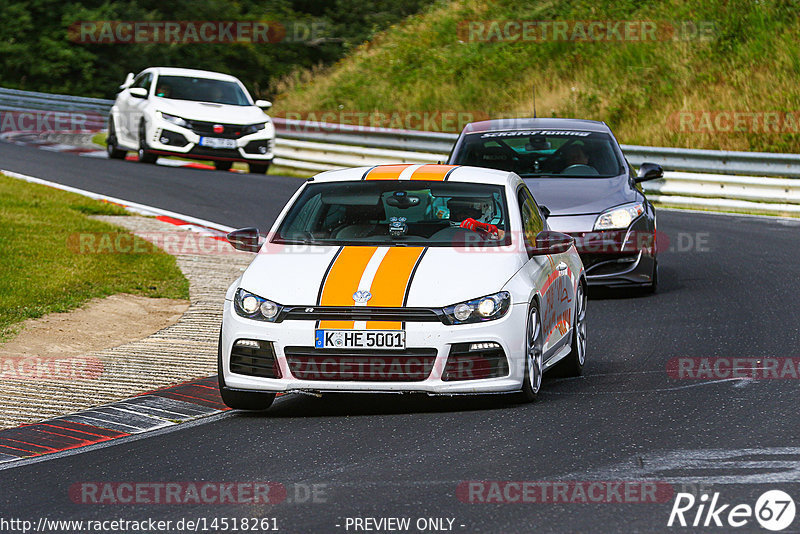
(550, 242)
(245, 239)
(649, 171)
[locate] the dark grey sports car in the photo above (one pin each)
(584, 185)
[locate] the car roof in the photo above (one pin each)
(455, 173)
(495, 125)
(176, 71)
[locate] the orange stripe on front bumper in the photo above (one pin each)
(432, 172)
(386, 172)
(390, 283)
(342, 281)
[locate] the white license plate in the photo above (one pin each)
(217, 142)
(360, 339)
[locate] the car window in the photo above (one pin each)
(197, 89)
(541, 153)
(143, 81)
(384, 212)
(532, 222)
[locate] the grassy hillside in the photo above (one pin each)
(748, 61)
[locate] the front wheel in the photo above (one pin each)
(258, 168)
(532, 382)
(143, 155)
(111, 143)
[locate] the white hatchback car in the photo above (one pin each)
(193, 114)
(427, 278)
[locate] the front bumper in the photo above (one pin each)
(166, 138)
(507, 332)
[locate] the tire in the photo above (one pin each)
(111, 143)
(653, 286)
(532, 382)
(258, 168)
(572, 364)
(143, 155)
(256, 401)
(223, 165)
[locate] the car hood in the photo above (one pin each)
(579, 196)
(204, 111)
(423, 277)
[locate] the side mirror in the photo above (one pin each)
(649, 171)
(263, 104)
(545, 211)
(245, 239)
(550, 242)
(128, 81)
(138, 92)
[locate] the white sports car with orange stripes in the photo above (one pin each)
(422, 278)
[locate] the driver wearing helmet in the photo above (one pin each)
(474, 214)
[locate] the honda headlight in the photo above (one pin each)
(174, 119)
(486, 308)
(253, 128)
(252, 306)
(618, 218)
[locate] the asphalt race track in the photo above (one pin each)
(728, 289)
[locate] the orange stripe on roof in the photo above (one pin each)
(390, 283)
(342, 281)
(432, 172)
(386, 172)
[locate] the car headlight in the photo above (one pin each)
(253, 128)
(252, 306)
(174, 119)
(618, 218)
(478, 310)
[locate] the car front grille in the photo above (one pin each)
(361, 313)
(410, 365)
(229, 131)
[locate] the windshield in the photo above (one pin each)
(395, 213)
(201, 90)
(537, 153)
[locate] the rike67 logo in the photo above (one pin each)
(774, 510)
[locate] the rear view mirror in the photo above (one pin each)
(245, 239)
(550, 242)
(128, 81)
(649, 171)
(138, 92)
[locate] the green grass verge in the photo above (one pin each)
(749, 61)
(42, 271)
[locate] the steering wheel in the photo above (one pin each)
(580, 169)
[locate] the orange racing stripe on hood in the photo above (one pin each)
(342, 281)
(391, 282)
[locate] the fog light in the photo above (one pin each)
(262, 149)
(462, 311)
(164, 140)
(250, 304)
(249, 343)
(483, 346)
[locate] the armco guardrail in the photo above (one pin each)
(41, 111)
(699, 178)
